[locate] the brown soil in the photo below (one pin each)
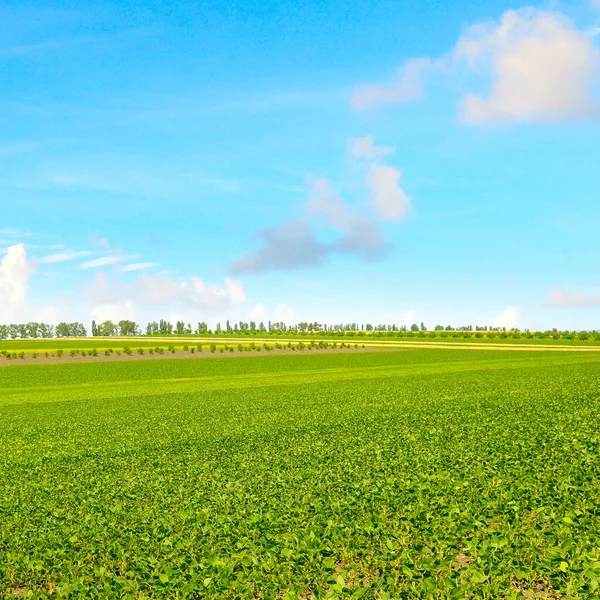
(179, 353)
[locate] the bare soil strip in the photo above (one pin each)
(179, 353)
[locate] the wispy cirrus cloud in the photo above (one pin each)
(140, 266)
(63, 256)
(104, 261)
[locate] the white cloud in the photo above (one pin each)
(63, 256)
(365, 148)
(542, 68)
(104, 261)
(536, 64)
(387, 197)
(152, 296)
(509, 318)
(15, 272)
(408, 87)
(284, 313)
(257, 312)
(408, 317)
(293, 244)
(575, 299)
(141, 266)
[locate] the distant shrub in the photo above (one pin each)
(83, 353)
(171, 349)
(47, 355)
(34, 355)
(185, 348)
(150, 350)
(240, 348)
(140, 351)
(21, 354)
(107, 353)
(59, 353)
(72, 352)
(93, 352)
(199, 347)
(192, 349)
(213, 348)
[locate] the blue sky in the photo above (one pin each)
(368, 161)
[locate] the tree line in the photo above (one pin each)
(166, 328)
(41, 330)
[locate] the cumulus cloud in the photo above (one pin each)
(409, 86)
(542, 68)
(387, 197)
(288, 246)
(575, 299)
(509, 318)
(108, 298)
(15, 272)
(365, 148)
(294, 244)
(537, 66)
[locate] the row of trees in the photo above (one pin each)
(166, 328)
(41, 330)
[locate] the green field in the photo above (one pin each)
(466, 338)
(420, 473)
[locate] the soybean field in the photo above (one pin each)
(410, 473)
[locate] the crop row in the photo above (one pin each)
(192, 349)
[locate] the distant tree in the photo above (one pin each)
(180, 328)
(218, 328)
(414, 327)
(439, 328)
(77, 330)
(128, 328)
(94, 329)
(107, 329)
(62, 329)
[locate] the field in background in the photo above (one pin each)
(425, 473)
(42, 345)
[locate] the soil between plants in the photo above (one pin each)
(179, 353)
